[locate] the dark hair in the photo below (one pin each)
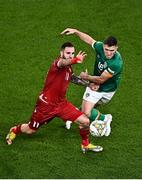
(66, 44)
(110, 41)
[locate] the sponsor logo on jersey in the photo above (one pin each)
(102, 66)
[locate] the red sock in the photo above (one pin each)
(17, 129)
(84, 133)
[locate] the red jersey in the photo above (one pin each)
(56, 83)
(51, 102)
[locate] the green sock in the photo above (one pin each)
(102, 117)
(94, 114)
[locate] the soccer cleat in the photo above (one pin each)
(108, 119)
(10, 137)
(91, 147)
(68, 124)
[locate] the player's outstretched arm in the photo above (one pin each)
(83, 36)
(78, 59)
(96, 79)
(77, 80)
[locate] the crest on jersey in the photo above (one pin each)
(87, 94)
(100, 66)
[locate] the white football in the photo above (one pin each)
(97, 128)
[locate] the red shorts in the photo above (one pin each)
(44, 113)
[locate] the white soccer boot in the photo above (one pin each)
(68, 124)
(108, 119)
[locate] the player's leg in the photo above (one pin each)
(106, 98)
(107, 118)
(93, 98)
(90, 99)
(21, 128)
(88, 103)
(68, 124)
(94, 114)
(39, 116)
(84, 133)
(75, 115)
(86, 107)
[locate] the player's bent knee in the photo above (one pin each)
(31, 131)
(86, 122)
(87, 113)
(26, 129)
(83, 121)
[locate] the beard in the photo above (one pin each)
(63, 57)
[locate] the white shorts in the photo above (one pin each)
(97, 97)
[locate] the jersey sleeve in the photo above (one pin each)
(97, 46)
(114, 68)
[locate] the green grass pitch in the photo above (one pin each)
(29, 41)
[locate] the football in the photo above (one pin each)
(97, 128)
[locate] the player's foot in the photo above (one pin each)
(91, 147)
(10, 136)
(108, 119)
(68, 124)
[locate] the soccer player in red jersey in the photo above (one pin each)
(52, 100)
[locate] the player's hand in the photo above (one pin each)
(79, 58)
(68, 31)
(81, 55)
(84, 75)
(94, 87)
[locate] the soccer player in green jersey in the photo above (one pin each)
(107, 72)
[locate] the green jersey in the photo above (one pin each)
(113, 66)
